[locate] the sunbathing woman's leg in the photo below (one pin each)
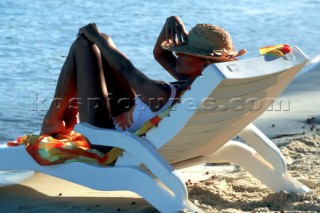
(101, 89)
(81, 77)
(121, 95)
(84, 77)
(61, 116)
(92, 93)
(109, 92)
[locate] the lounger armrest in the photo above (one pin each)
(142, 150)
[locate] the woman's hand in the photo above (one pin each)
(175, 30)
(90, 31)
(70, 117)
(55, 124)
(51, 126)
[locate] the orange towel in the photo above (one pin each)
(48, 150)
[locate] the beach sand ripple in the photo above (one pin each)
(239, 191)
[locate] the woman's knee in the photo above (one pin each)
(84, 50)
(81, 43)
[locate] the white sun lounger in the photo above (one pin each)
(221, 104)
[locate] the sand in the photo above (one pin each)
(219, 188)
(238, 191)
(215, 188)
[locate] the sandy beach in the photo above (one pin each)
(219, 188)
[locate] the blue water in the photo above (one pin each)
(36, 35)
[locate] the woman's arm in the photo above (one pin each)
(172, 29)
(146, 88)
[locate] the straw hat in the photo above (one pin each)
(207, 41)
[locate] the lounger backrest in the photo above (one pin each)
(224, 100)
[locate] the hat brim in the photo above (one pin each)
(194, 51)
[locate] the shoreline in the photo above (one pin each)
(239, 191)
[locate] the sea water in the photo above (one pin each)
(35, 37)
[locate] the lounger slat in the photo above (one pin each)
(246, 81)
(239, 89)
(201, 142)
(202, 128)
(207, 118)
(207, 130)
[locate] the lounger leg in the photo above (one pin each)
(250, 160)
(265, 147)
(139, 152)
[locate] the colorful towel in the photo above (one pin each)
(74, 147)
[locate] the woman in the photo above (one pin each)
(107, 90)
